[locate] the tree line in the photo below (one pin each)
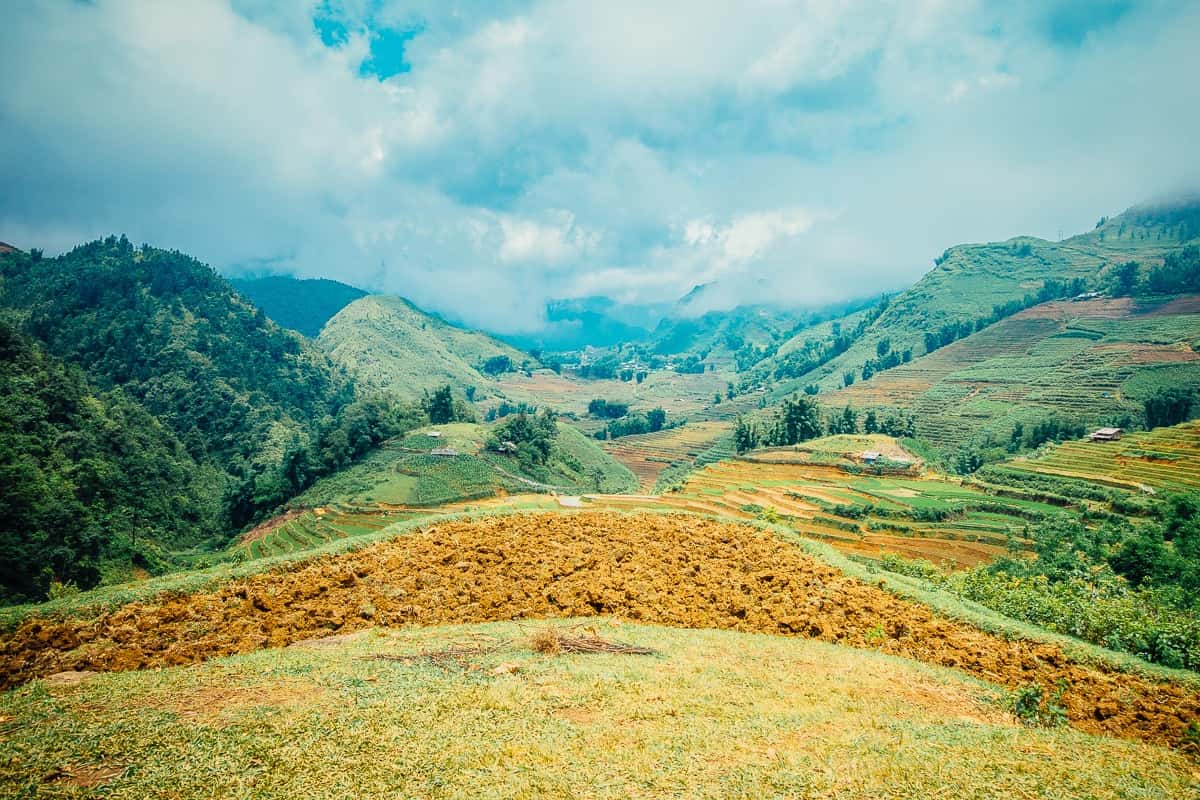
(800, 418)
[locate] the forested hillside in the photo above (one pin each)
(189, 411)
(88, 477)
(303, 305)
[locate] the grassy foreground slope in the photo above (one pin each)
(714, 714)
(390, 344)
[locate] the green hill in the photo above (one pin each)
(303, 305)
(405, 479)
(404, 472)
(179, 412)
(90, 479)
(391, 345)
(973, 285)
(1089, 361)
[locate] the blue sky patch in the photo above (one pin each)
(387, 52)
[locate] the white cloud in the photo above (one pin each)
(528, 241)
(539, 149)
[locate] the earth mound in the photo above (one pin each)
(675, 570)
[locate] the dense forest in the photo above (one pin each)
(149, 409)
(301, 305)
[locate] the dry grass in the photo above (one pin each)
(553, 641)
(717, 715)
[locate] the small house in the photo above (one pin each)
(434, 434)
(443, 451)
(1106, 435)
(869, 456)
(506, 447)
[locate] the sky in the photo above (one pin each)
(483, 158)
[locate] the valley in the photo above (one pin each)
(902, 488)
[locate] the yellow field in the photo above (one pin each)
(1161, 459)
(803, 494)
(647, 455)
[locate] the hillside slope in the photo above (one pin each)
(303, 305)
(1090, 361)
(173, 377)
(969, 281)
(86, 478)
(391, 345)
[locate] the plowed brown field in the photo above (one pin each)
(674, 570)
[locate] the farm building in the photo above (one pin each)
(506, 447)
(443, 451)
(869, 456)
(434, 434)
(1106, 435)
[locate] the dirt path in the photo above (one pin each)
(674, 570)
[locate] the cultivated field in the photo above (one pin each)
(927, 517)
(682, 396)
(675, 570)
(647, 455)
(1083, 360)
(1160, 459)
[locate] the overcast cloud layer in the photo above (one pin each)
(481, 158)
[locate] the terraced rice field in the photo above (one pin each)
(1161, 459)
(647, 455)
(918, 517)
(304, 530)
(1083, 360)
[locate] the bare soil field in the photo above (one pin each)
(674, 570)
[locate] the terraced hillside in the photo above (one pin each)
(1087, 360)
(403, 479)
(967, 281)
(932, 518)
(682, 396)
(1163, 459)
(649, 454)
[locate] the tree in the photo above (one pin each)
(799, 420)
(656, 418)
(1145, 558)
(440, 406)
(870, 422)
(1123, 279)
(533, 436)
(745, 435)
(1168, 407)
(1179, 272)
(848, 378)
(497, 365)
(883, 346)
